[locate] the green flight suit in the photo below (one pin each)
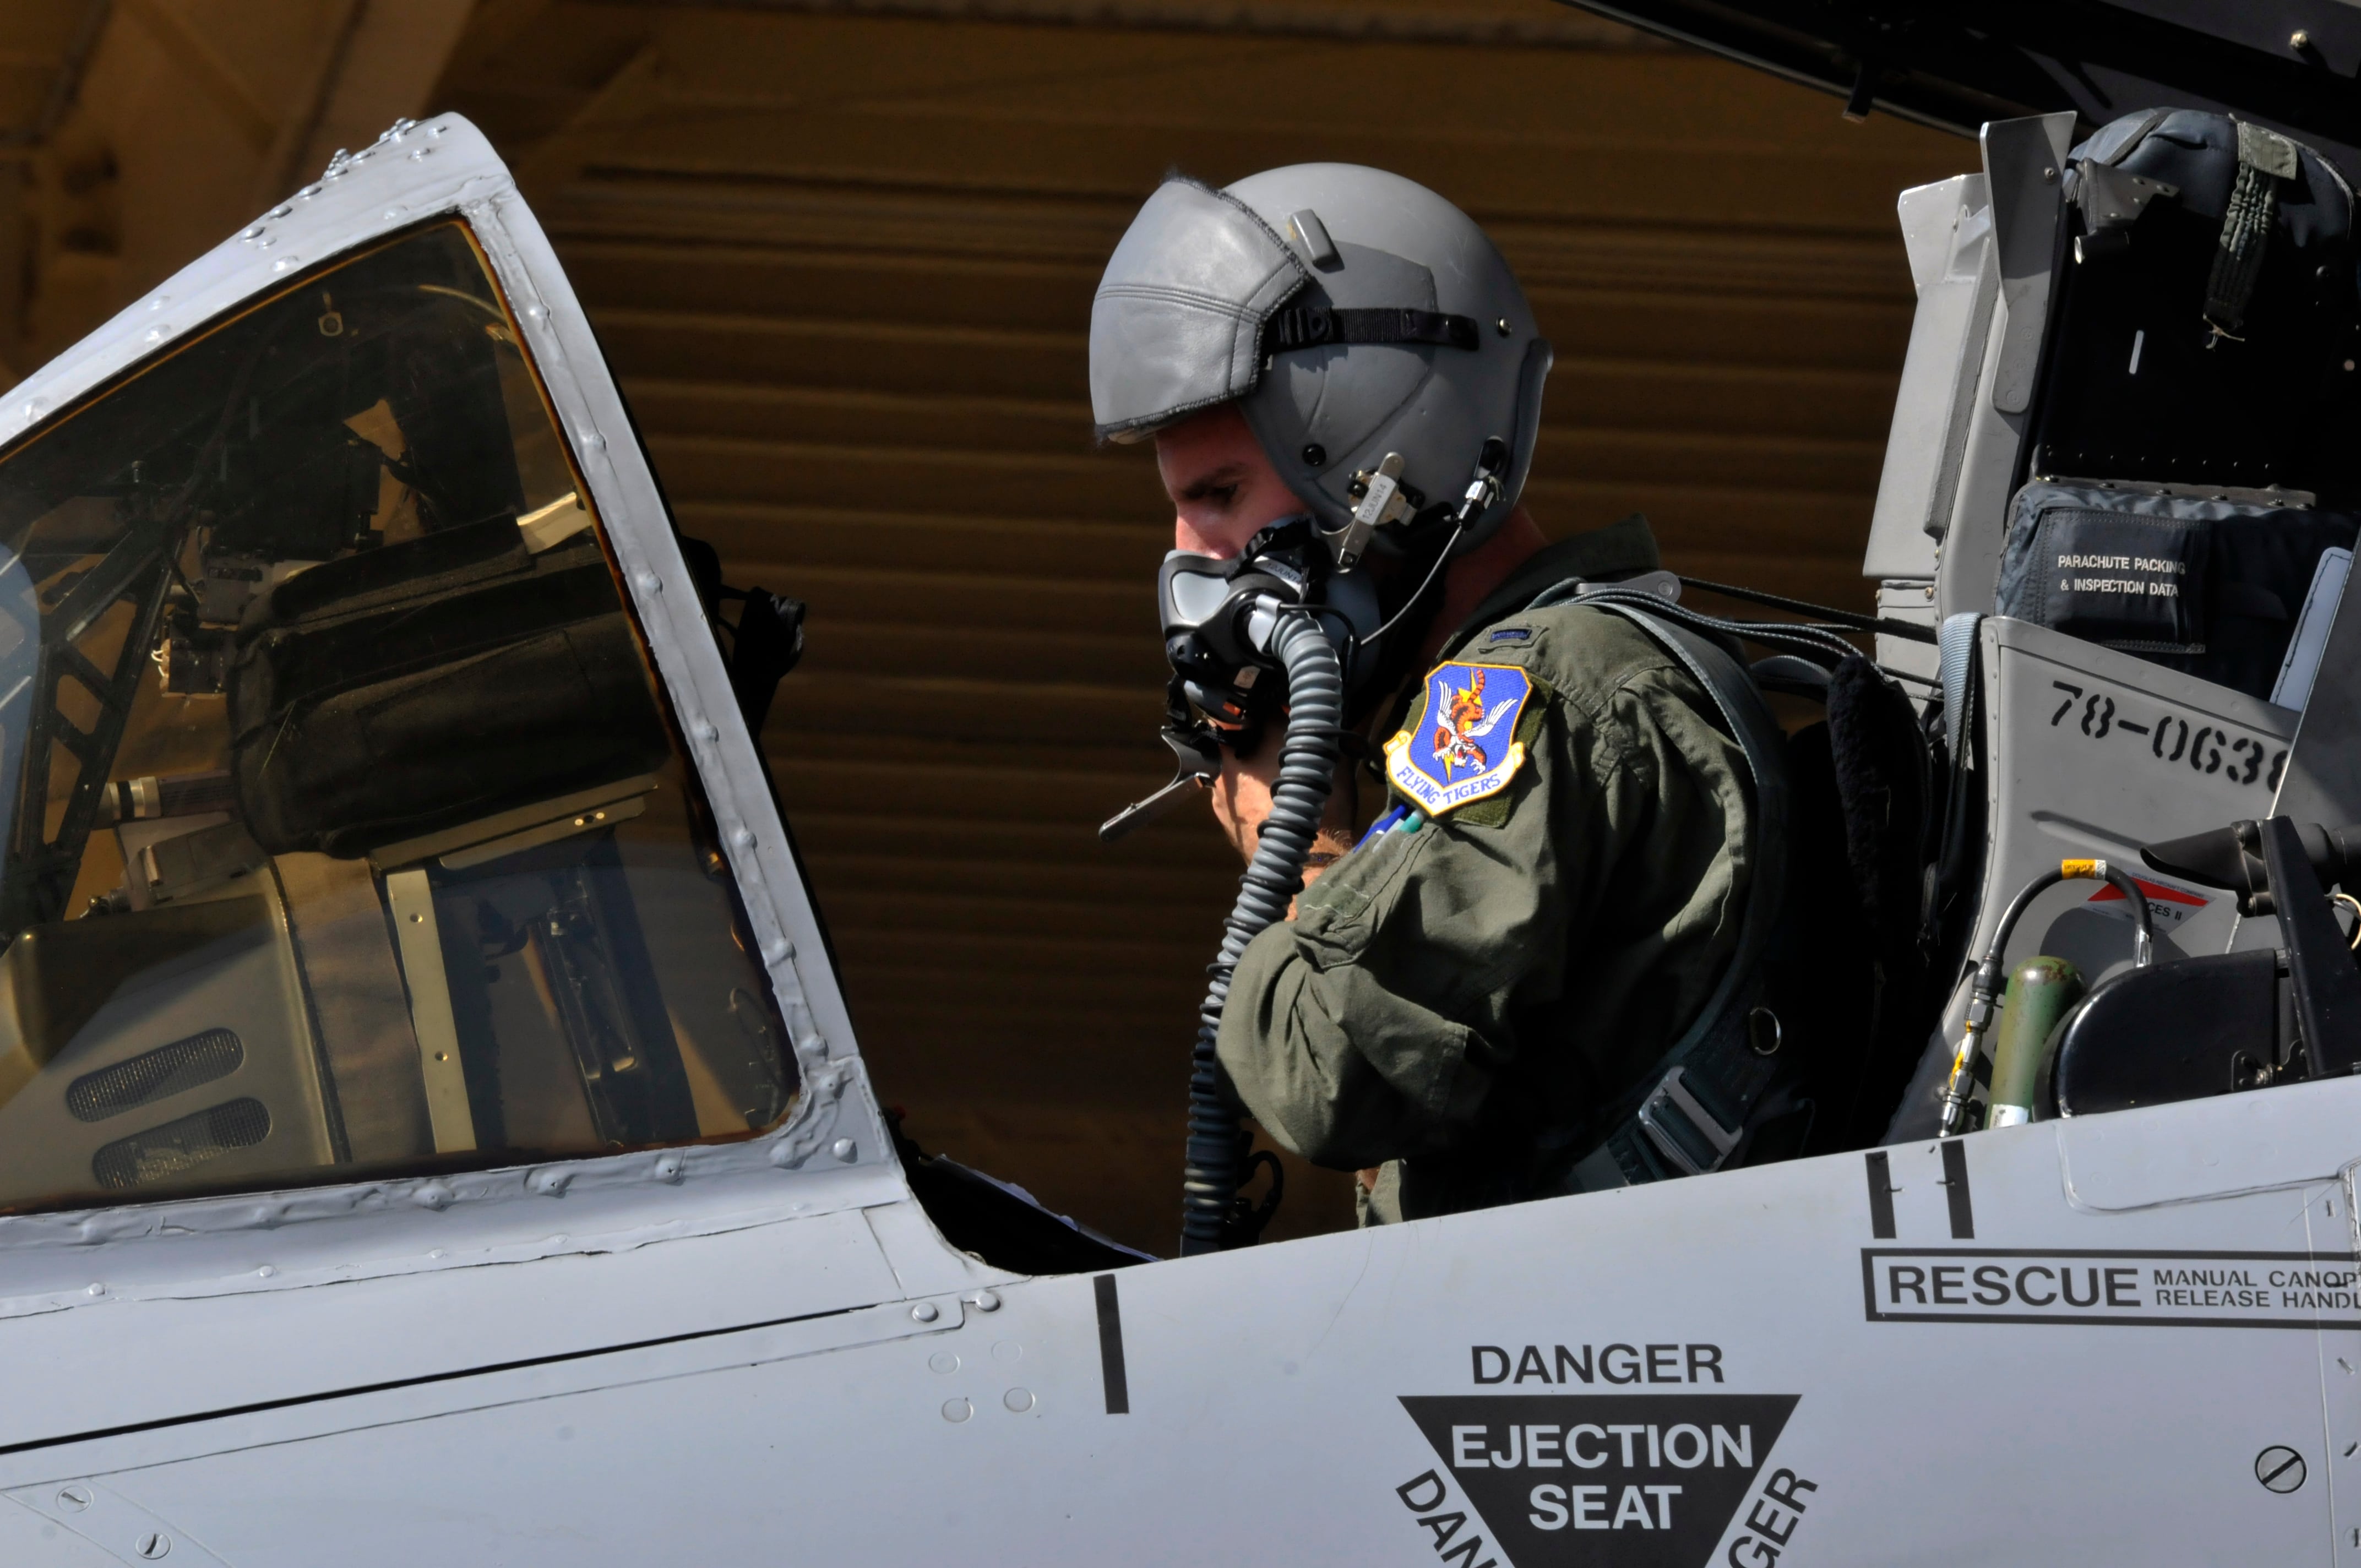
(1448, 997)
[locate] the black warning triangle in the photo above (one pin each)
(1604, 1480)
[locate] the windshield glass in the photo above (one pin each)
(344, 823)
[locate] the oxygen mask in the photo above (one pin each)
(1219, 615)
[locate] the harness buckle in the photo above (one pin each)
(1673, 1095)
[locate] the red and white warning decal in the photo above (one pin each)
(2166, 905)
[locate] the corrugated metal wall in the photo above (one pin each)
(843, 265)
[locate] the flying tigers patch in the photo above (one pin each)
(1464, 747)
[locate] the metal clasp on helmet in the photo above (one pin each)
(1379, 499)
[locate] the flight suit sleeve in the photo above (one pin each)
(1374, 1026)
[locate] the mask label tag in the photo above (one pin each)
(1464, 747)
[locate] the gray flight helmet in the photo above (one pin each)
(1351, 315)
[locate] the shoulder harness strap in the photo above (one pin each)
(1690, 1114)
(2265, 157)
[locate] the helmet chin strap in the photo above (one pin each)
(1419, 594)
(1394, 653)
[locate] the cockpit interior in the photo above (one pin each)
(350, 830)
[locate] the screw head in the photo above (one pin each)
(984, 1300)
(957, 1409)
(2280, 1468)
(844, 1148)
(925, 1312)
(74, 1499)
(154, 1544)
(2299, 41)
(1314, 454)
(1501, 327)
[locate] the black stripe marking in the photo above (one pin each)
(163, 1423)
(1118, 1389)
(1881, 1196)
(1955, 1185)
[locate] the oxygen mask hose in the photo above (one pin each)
(1984, 996)
(1307, 767)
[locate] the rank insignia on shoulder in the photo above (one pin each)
(1464, 747)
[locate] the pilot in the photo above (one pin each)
(1465, 1000)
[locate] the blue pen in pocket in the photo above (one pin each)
(1391, 815)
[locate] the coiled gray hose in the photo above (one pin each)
(1307, 768)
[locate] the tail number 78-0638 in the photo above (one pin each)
(2207, 748)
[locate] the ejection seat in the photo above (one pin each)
(2122, 484)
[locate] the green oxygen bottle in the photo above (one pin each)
(2040, 992)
